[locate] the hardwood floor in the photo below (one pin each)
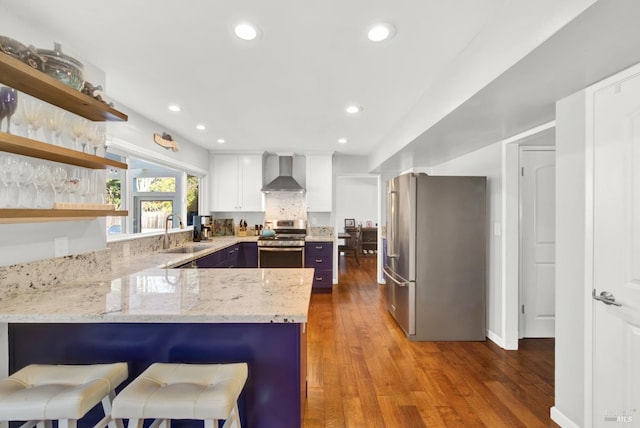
(363, 371)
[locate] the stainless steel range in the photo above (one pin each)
(286, 247)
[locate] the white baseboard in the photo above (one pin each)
(558, 417)
(495, 338)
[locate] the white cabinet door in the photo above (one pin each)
(250, 171)
(236, 183)
(319, 184)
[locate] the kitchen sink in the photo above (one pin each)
(187, 249)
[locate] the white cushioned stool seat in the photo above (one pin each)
(46, 392)
(183, 391)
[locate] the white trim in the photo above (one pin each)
(558, 417)
(495, 339)
(510, 238)
(129, 149)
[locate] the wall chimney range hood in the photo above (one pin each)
(284, 182)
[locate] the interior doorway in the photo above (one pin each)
(357, 204)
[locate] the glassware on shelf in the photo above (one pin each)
(28, 191)
(4, 185)
(32, 111)
(10, 167)
(78, 129)
(19, 123)
(59, 180)
(73, 185)
(8, 105)
(97, 137)
(54, 120)
(43, 180)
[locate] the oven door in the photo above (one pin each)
(280, 257)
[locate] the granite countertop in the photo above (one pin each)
(319, 238)
(148, 288)
(172, 295)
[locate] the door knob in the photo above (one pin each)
(605, 297)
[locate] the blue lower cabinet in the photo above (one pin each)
(248, 255)
(319, 255)
(229, 256)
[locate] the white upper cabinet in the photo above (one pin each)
(319, 183)
(236, 183)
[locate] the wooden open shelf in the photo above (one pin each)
(24, 78)
(11, 215)
(37, 149)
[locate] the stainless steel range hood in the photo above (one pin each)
(284, 182)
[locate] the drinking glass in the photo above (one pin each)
(8, 105)
(28, 191)
(43, 180)
(98, 137)
(10, 166)
(78, 129)
(54, 119)
(73, 185)
(4, 186)
(18, 122)
(59, 180)
(32, 110)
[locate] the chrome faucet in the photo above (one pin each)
(165, 242)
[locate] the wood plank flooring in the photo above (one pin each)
(363, 371)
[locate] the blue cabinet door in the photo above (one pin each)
(248, 255)
(319, 255)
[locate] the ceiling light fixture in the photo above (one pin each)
(354, 109)
(342, 140)
(201, 127)
(380, 32)
(220, 140)
(246, 31)
(174, 107)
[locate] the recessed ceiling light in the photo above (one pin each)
(174, 107)
(380, 32)
(342, 140)
(201, 127)
(221, 140)
(246, 31)
(354, 109)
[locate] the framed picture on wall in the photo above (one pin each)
(349, 222)
(369, 224)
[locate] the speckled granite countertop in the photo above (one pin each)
(147, 288)
(173, 295)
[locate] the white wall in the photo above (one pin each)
(486, 162)
(357, 198)
(570, 255)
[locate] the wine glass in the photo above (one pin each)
(8, 105)
(59, 180)
(32, 111)
(98, 137)
(73, 184)
(28, 191)
(18, 121)
(54, 121)
(44, 186)
(10, 166)
(78, 129)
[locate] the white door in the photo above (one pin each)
(537, 242)
(616, 255)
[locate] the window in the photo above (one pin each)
(149, 192)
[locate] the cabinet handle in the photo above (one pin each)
(318, 260)
(318, 278)
(319, 247)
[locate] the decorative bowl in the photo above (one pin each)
(28, 55)
(62, 67)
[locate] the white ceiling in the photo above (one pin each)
(287, 90)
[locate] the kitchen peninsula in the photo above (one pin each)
(177, 315)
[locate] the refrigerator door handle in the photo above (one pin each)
(393, 213)
(390, 276)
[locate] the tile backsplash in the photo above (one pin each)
(285, 206)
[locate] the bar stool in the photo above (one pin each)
(165, 391)
(40, 393)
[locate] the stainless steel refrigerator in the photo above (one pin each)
(435, 263)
